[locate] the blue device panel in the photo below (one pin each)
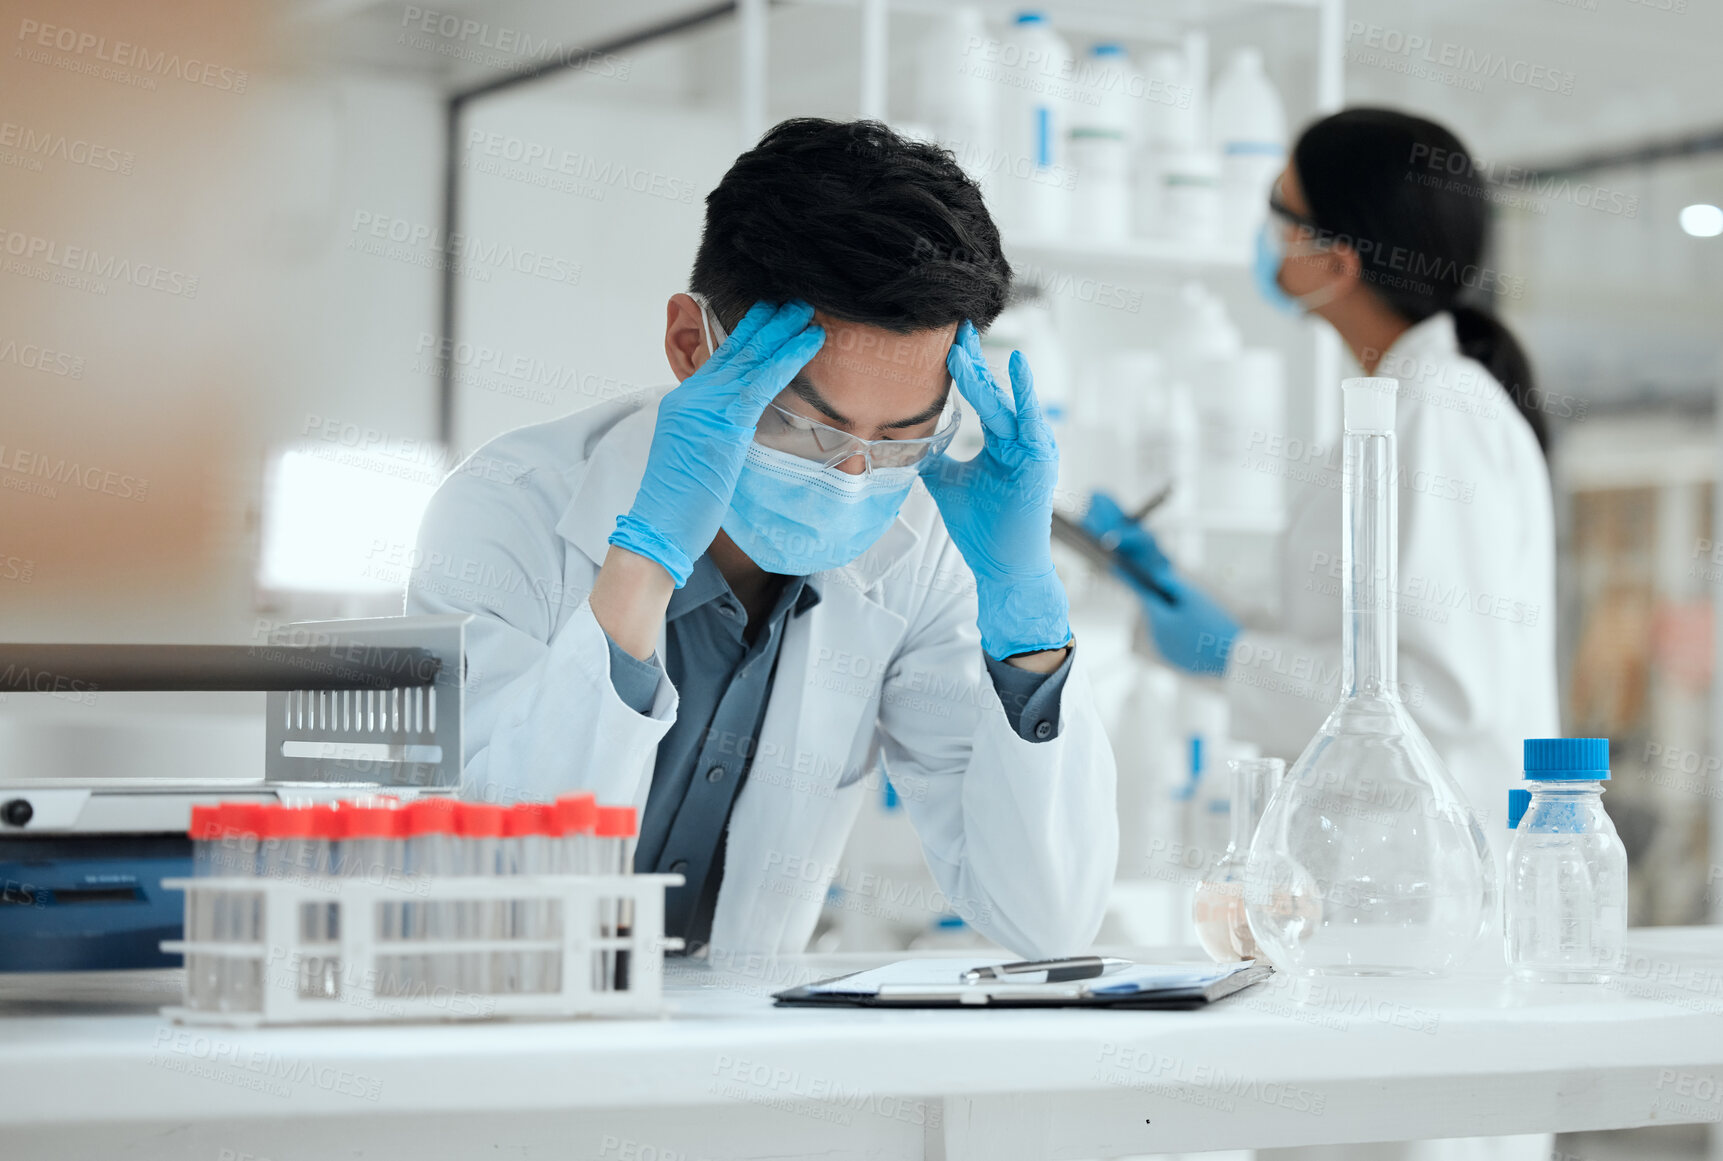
(90, 902)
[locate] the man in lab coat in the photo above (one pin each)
(730, 603)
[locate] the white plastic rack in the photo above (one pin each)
(551, 946)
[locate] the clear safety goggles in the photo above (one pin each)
(809, 439)
(1307, 237)
(798, 435)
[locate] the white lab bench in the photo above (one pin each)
(88, 1070)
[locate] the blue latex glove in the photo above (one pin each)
(1190, 630)
(998, 507)
(702, 435)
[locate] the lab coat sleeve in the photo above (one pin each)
(1031, 700)
(1021, 836)
(1281, 686)
(542, 716)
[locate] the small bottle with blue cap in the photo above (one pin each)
(1565, 916)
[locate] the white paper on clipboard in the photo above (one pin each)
(937, 976)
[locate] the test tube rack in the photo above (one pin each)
(576, 957)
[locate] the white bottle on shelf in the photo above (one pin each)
(1245, 413)
(1178, 173)
(1248, 130)
(1100, 146)
(1167, 450)
(1152, 768)
(954, 92)
(1034, 79)
(1098, 449)
(1240, 399)
(1169, 115)
(1028, 326)
(1204, 334)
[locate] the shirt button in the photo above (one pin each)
(679, 867)
(1043, 731)
(715, 774)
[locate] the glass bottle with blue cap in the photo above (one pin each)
(1565, 917)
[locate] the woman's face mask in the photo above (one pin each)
(1272, 250)
(795, 515)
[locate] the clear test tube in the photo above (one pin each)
(507, 968)
(373, 851)
(202, 975)
(577, 851)
(540, 851)
(289, 849)
(576, 815)
(614, 835)
(480, 829)
(239, 914)
(320, 921)
(431, 854)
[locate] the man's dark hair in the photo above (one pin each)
(866, 225)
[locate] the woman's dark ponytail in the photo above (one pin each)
(1483, 337)
(1403, 193)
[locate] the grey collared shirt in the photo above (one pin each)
(724, 683)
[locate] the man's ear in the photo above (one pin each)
(684, 337)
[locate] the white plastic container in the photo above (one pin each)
(1242, 408)
(1565, 907)
(1151, 769)
(1171, 457)
(1100, 146)
(1240, 400)
(1035, 76)
(1178, 195)
(1170, 116)
(1177, 173)
(1247, 124)
(1029, 327)
(955, 91)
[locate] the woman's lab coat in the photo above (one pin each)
(1021, 836)
(1477, 580)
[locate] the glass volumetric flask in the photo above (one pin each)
(1369, 861)
(1218, 907)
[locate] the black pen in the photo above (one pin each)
(1079, 967)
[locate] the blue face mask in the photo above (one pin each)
(1265, 272)
(794, 517)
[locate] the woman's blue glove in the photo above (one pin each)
(1190, 630)
(704, 428)
(998, 507)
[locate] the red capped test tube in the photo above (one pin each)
(479, 830)
(614, 835)
(578, 816)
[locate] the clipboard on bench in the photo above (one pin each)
(940, 983)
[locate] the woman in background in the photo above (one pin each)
(1371, 231)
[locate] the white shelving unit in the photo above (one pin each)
(1134, 258)
(1153, 266)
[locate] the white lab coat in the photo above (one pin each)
(1021, 836)
(1477, 581)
